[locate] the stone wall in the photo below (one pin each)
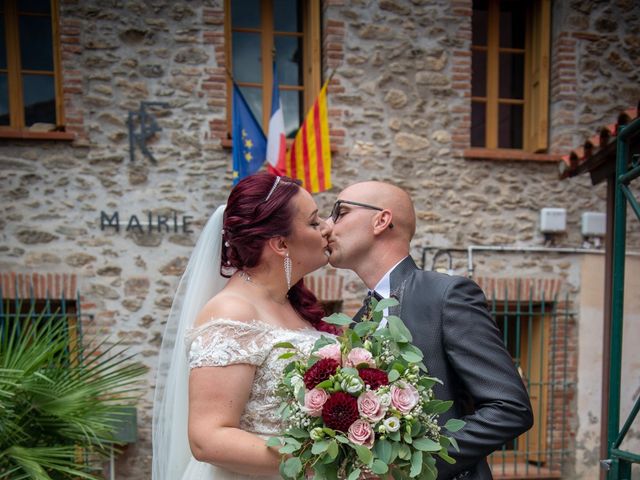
(400, 112)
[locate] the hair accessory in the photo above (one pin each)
(227, 244)
(222, 232)
(287, 269)
(275, 184)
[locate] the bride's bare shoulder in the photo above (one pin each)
(227, 305)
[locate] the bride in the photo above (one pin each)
(241, 293)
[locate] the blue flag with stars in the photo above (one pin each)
(249, 142)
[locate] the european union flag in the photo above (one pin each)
(249, 141)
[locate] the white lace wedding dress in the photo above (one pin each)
(222, 342)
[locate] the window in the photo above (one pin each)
(510, 74)
(30, 85)
(287, 31)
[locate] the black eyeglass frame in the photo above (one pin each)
(335, 211)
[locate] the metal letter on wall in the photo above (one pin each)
(148, 127)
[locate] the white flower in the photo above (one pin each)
(385, 398)
(316, 434)
(352, 384)
(392, 424)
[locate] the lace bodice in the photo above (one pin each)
(222, 342)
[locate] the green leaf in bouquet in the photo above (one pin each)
(289, 448)
(291, 467)
(354, 475)
(404, 452)
(429, 470)
(284, 345)
(322, 342)
(426, 445)
(324, 385)
(437, 406)
(364, 328)
(329, 431)
(382, 449)
(274, 442)
(453, 424)
(416, 464)
(364, 454)
(325, 470)
(385, 303)
(443, 455)
(342, 439)
(319, 447)
(286, 355)
(395, 436)
(427, 382)
(406, 436)
(379, 467)
(453, 442)
(393, 375)
(350, 371)
(411, 353)
(338, 319)
(398, 330)
(333, 449)
(297, 432)
(394, 452)
(399, 474)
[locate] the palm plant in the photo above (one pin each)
(60, 403)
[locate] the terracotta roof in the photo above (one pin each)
(596, 150)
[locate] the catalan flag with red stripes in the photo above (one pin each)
(309, 158)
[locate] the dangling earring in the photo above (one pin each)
(287, 270)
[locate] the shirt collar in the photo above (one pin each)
(384, 285)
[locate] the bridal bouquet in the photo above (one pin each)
(361, 404)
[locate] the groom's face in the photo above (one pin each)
(352, 231)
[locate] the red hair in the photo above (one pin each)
(250, 220)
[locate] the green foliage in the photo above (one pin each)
(59, 402)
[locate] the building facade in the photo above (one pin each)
(115, 148)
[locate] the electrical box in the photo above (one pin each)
(553, 220)
(594, 224)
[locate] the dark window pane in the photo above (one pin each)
(286, 16)
(511, 75)
(292, 109)
(4, 100)
(479, 25)
(246, 57)
(512, 24)
(479, 73)
(34, 6)
(3, 44)
(36, 47)
(245, 13)
(39, 99)
(289, 60)
(478, 124)
(253, 96)
(510, 126)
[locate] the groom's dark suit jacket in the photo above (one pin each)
(450, 323)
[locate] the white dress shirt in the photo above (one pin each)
(383, 288)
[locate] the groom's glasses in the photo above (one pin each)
(336, 211)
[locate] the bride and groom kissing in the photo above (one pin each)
(242, 294)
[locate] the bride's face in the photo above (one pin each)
(308, 240)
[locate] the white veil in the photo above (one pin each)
(200, 281)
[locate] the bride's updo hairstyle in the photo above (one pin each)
(254, 214)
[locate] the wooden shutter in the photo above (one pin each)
(536, 115)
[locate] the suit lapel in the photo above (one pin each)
(397, 281)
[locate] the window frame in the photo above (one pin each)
(536, 84)
(311, 58)
(14, 71)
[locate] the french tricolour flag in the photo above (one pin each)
(276, 140)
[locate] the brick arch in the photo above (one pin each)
(39, 285)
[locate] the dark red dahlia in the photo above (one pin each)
(374, 377)
(320, 371)
(340, 411)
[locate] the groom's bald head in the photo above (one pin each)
(386, 196)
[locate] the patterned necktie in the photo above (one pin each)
(367, 301)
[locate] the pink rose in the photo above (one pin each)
(404, 397)
(370, 407)
(314, 400)
(361, 433)
(358, 356)
(331, 351)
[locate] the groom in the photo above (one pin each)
(373, 224)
